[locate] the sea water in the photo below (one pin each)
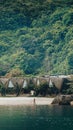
(36, 117)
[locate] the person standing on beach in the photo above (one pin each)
(34, 100)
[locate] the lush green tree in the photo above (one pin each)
(36, 37)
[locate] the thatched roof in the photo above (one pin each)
(39, 80)
(57, 81)
(10, 84)
(14, 81)
(34, 80)
(1, 83)
(18, 81)
(4, 81)
(25, 84)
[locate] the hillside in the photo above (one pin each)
(36, 37)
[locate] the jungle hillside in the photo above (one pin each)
(36, 37)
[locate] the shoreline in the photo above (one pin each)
(25, 101)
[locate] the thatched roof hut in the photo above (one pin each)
(4, 81)
(40, 80)
(16, 81)
(51, 84)
(35, 80)
(25, 83)
(10, 84)
(1, 84)
(57, 81)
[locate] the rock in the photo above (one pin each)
(57, 99)
(63, 99)
(71, 103)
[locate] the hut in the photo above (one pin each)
(25, 83)
(43, 80)
(3, 84)
(24, 86)
(57, 82)
(4, 81)
(50, 83)
(35, 81)
(10, 87)
(10, 84)
(18, 81)
(14, 85)
(38, 82)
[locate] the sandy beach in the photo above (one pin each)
(25, 101)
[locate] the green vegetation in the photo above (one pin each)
(36, 37)
(68, 86)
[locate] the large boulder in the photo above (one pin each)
(63, 99)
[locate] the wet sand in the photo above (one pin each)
(25, 101)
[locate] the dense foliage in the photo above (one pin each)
(36, 37)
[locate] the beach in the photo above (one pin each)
(25, 101)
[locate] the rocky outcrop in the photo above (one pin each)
(63, 99)
(71, 103)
